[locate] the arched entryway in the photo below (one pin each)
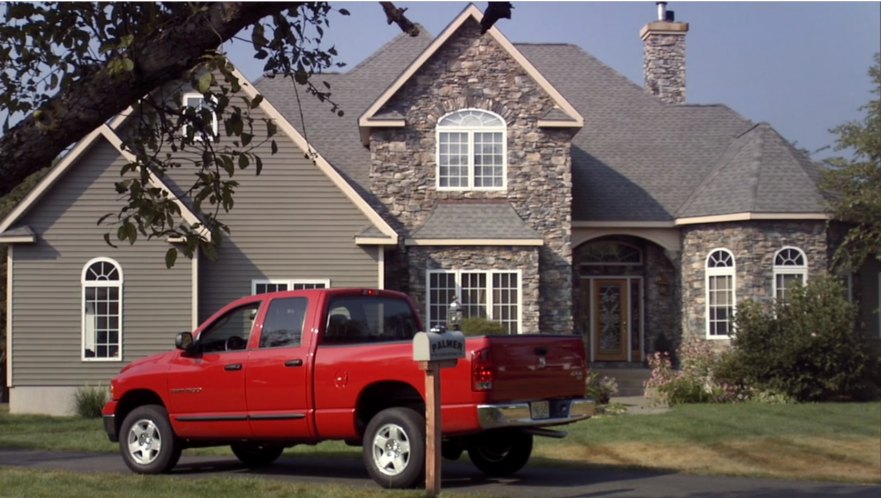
(626, 298)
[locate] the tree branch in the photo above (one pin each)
(101, 94)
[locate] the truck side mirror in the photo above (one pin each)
(184, 341)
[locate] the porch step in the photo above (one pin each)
(631, 380)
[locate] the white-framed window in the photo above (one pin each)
(196, 100)
(721, 297)
(790, 268)
(472, 151)
(102, 310)
(490, 294)
(275, 285)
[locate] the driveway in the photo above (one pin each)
(531, 482)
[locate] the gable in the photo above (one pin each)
(103, 135)
(378, 115)
(389, 236)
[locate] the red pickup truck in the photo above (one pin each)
(275, 370)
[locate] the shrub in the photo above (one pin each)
(481, 326)
(805, 348)
(694, 382)
(89, 400)
(601, 388)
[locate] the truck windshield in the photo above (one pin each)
(360, 319)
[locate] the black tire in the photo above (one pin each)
(500, 453)
(146, 441)
(394, 448)
(256, 455)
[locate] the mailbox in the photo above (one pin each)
(430, 346)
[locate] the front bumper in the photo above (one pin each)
(110, 428)
(519, 414)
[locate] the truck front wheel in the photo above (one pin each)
(394, 448)
(500, 453)
(147, 443)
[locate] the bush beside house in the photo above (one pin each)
(802, 349)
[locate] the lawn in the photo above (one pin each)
(828, 441)
(822, 441)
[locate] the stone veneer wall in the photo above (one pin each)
(473, 71)
(482, 258)
(753, 245)
(662, 307)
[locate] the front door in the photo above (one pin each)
(610, 319)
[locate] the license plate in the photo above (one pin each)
(539, 409)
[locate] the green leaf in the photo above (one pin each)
(259, 164)
(170, 257)
(205, 82)
(243, 161)
(274, 147)
(256, 101)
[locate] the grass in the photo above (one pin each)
(27, 483)
(828, 441)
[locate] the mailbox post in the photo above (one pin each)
(434, 351)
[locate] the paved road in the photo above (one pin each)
(533, 481)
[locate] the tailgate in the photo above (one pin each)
(531, 367)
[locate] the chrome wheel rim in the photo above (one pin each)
(144, 442)
(391, 449)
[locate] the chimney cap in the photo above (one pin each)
(662, 10)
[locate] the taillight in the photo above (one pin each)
(481, 370)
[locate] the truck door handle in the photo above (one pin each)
(541, 351)
(233, 367)
(293, 363)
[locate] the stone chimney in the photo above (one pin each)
(664, 56)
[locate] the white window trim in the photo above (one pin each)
(120, 285)
(289, 282)
(489, 294)
(719, 272)
(470, 130)
(214, 122)
(788, 269)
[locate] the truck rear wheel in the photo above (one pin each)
(394, 448)
(256, 455)
(500, 453)
(147, 443)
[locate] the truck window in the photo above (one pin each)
(283, 325)
(362, 319)
(231, 331)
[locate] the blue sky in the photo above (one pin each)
(801, 66)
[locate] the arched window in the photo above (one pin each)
(102, 310)
(471, 151)
(790, 268)
(720, 285)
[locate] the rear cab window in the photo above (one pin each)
(368, 319)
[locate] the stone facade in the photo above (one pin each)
(753, 245)
(664, 60)
(473, 71)
(481, 258)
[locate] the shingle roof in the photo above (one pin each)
(635, 159)
(475, 221)
(759, 173)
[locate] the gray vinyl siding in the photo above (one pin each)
(290, 222)
(47, 291)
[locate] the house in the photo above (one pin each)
(530, 181)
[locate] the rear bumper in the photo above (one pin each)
(519, 414)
